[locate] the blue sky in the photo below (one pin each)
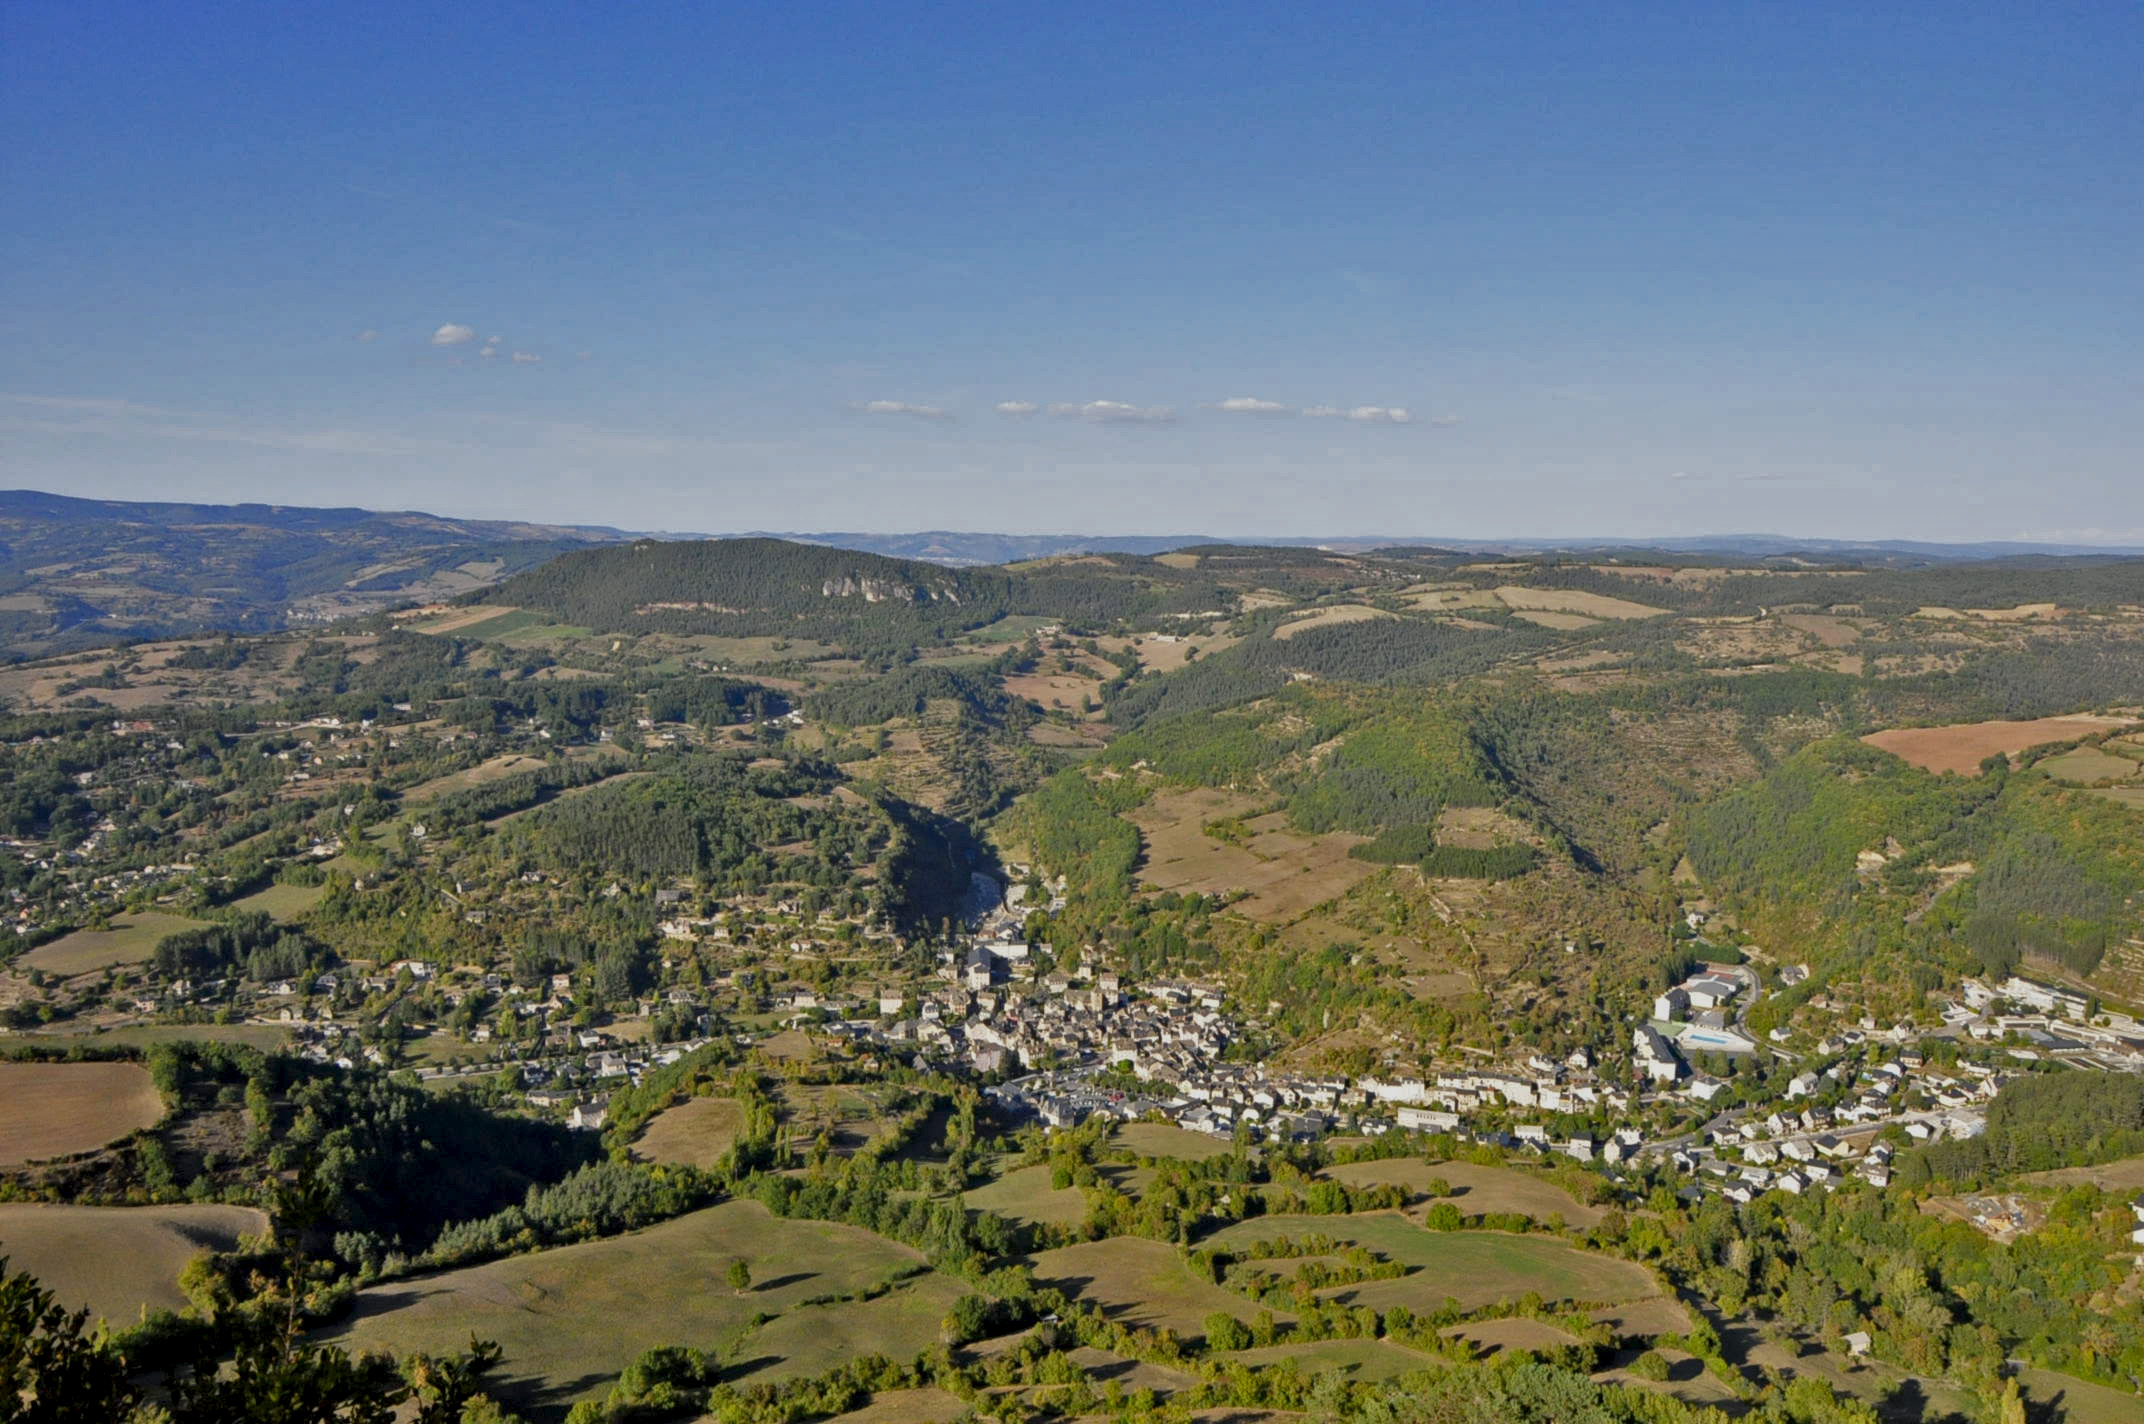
(1471, 270)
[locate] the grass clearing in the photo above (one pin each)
(2130, 796)
(1285, 872)
(2085, 765)
(1475, 1268)
(282, 903)
(1516, 1333)
(117, 1261)
(2076, 1401)
(496, 769)
(131, 940)
(906, 1406)
(52, 1110)
(1476, 1190)
(1025, 1194)
(813, 1339)
(1166, 1139)
(569, 1319)
(253, 1035)
(1963, 746)
(696, 1133)
(1140, 1283)
(1364, 1361)
(1330, 617)
(1567, 600)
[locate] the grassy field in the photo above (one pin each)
(498, 768)
(1025, 1194)
(2084, 765)
(1285, 872)
(813, 1339)
(1360, 1360)
(1475, 1268)
(2074, 1401)
(569, 1319)
(1964, 746)
(2125, 1175)
(1329, 617)
(1166, 1139)
(282, 902)
(142, 1035)
(1565, 600)
(58, 1109)
(1516, 1333)
(1143, 1284)
(116, 1261)
(130, 940)
(906, 1406)
(2130, 796)
(695, 1133)
(1475, 1190)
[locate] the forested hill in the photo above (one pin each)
(763, 587)
(752, 587)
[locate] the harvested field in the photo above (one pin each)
(130, 940)
(1964, 746)
(1566, 600)
(695, 1133)
(1285, 872)
(1025, 1194)
(116, 1261)
(1166, 1139)
(1139, 1283)
(52, 1110)
(1475, 1268)
(1829, 631)
(1365, 1361)
(570, 1318)
(1476, 1190)
(1330, 617)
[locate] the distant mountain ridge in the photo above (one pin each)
(77, 572)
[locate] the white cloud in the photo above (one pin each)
(1252, 405)
(526, 358)
(488, 352)
(1364, 414)
(907, 408)
(453, 334)
(1107, 412)
(368, 334)
(1016, 408)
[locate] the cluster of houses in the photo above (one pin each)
(1841, 1128)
